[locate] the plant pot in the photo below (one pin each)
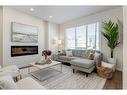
(112, 60)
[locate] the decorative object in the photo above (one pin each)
(107, 65)
(49, 61)
(46, 53)
(41, 62)
(111, 33)
(105, 70)
(24, 33)
(112, 60)
(46, 59)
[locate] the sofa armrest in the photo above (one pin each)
(98, 58)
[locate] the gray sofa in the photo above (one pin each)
(78, 62)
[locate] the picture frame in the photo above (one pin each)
(24, 33)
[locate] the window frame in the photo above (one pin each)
(97, 25)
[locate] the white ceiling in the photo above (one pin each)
(61, 14)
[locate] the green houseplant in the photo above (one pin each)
(111, 33)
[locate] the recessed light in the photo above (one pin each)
(50, 16)
(31, 9)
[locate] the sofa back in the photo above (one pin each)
(78, 53)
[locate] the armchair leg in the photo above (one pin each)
(73, 70)
(86, 74)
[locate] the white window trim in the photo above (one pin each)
(99, 27)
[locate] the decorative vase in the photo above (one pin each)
(48, 61)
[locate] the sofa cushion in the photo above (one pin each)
(86, 63)
(66, 58)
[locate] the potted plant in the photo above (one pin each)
(111, 33)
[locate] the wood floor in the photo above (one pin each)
(115, 82)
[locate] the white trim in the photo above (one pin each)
(86, 35)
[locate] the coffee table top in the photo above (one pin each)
(45, 65)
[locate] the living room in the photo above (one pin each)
(57, 28)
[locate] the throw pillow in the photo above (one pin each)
(6, 82)
(107, 65)
(86, 54)
(91, 56)
(64, 52)
(69, 53)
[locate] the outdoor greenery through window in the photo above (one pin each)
(82, 37)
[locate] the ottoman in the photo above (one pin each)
(84, 65)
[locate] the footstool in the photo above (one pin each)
(84, 65)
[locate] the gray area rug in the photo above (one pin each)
(52, 79)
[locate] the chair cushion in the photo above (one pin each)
(13, 70)
(6, 82)
(10, 68)
(86, 63)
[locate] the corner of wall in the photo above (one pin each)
(1, 36)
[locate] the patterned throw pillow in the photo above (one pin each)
(69, 53)
(86, 54)
(91, 56)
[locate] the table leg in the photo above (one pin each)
(40, 76)
(61, 67)
(28, 69)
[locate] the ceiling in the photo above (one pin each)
(61, 14)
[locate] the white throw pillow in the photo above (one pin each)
(6, 82)
(96, 55)
(69, 53)
(108, 65)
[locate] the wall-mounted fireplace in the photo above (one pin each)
(23, 50)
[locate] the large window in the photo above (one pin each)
(70, 38)
(83, 37)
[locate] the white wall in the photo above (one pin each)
(11, 15)
(125, 48)
(53, 36)
(112, 14)
(1, 33)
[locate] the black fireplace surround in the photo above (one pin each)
(23, 50)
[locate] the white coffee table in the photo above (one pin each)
(40, 67)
